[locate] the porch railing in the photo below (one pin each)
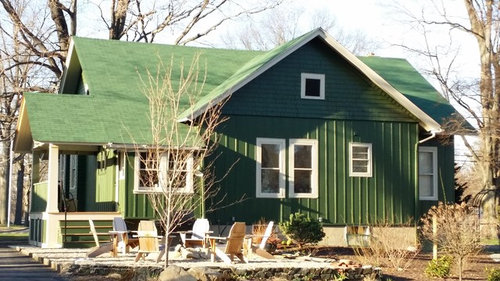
(39, 197)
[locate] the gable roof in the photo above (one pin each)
(112, 73)
(260, 64)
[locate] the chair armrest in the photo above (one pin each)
(147, 236)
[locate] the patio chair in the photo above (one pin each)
(121, 236)
(99, 249)
(149, 241)
(260, 249)
(234, 244)
(201, 228)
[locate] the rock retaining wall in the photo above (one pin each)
(227, 274)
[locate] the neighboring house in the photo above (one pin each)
(311, 128)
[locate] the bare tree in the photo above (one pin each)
(35, 40)
(480, 98)
(284, 23)
(172, 167)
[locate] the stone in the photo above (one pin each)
(175, 273)
(204, 274)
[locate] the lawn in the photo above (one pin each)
(13, 233)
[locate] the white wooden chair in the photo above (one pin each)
(198, 235)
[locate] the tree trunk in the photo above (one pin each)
(4, 183)
(19, 215)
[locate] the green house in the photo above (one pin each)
(311, 128)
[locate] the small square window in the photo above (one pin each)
(360, 159)
(312, 86)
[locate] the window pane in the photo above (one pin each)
(313, 87)
(270, 181)
(425, 186)
(359, 152)
(302, 156)
(359, 166)
(302, 181)
(270, 155)
(425, 163)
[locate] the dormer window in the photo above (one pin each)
(312, 86)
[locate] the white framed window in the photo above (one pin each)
(270, 157)
(303, 168)
(360, 159)
(427, 173)
(312, 86)
(174, 170)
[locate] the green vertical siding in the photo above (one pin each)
(135, 205)
(106, 176)
(96, 182)
(39, 197)
(386, 196)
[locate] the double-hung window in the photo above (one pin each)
(427, 173)
(173, 171)
(303, 168)
(360, 159)
(270, 156)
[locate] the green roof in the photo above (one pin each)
(116, 109)
(407, 80)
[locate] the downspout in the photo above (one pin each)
(433, 135)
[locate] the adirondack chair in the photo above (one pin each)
(149, 241)
(201, 228)
(99, 249)
(234, 244)
(120, 236)
(260, 249)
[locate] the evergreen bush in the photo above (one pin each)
(302, 230)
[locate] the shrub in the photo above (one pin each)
(457, 232)
(302, 230)
(494, 274)
(439, 268)
(388, 247)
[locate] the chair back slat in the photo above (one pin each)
(267, 234)
(235, 239)
(147, 244)
(200, 228)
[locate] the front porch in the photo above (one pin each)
(72, 184)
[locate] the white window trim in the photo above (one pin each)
(314, 166)
(320, 77)
(368, 173)
(163, 161)
(258, 158)
(434, 151)
(122, 166)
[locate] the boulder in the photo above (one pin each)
(175, 273)
(204, 274)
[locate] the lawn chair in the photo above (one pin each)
(149, 241)
(120, 236)
(260, 249)
(234, 244)
(99, 249)
(201, 228)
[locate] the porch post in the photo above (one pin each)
(53, 179)
(51, 221)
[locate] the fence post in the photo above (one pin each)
(434, 234)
